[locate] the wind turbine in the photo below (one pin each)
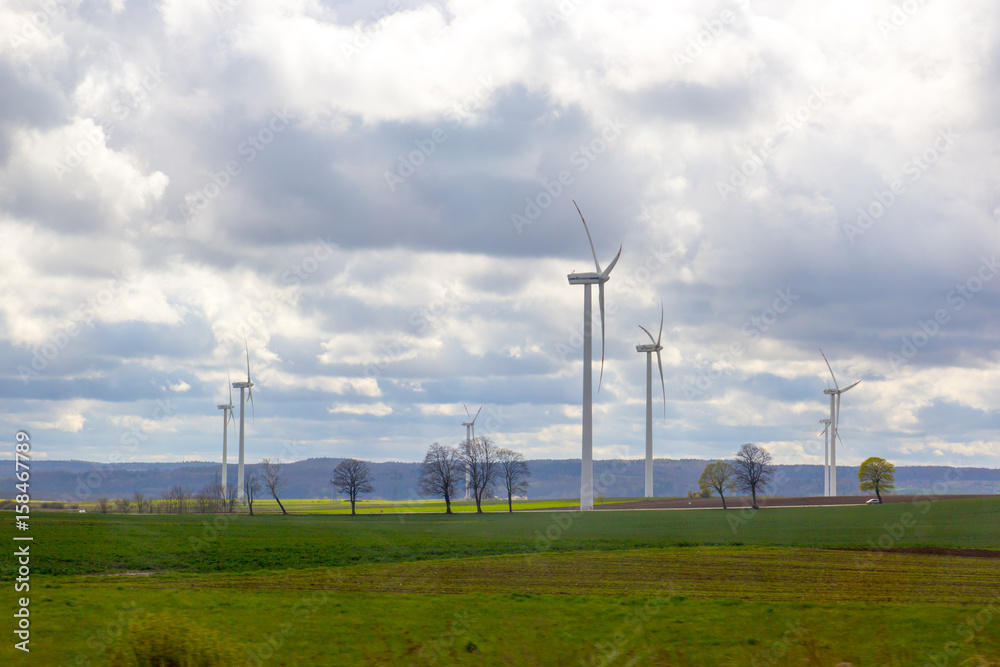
(244, 387)
(826, 456)
(588, 279)
(470, 428)
(227, 414)
(649, 349)
(834, 422)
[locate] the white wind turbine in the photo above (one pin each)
(244, 387)
(649, 349)
(826, 456)
(470, 435)
(588, 279)
(227, 414)
(831, 468)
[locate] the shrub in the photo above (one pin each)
(160, 640)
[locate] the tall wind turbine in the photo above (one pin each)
(649, 349)
(227, 414)
(470, 435)
(245, 388)
(588, 279)
(826, 456)
(834, 422)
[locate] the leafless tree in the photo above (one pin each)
(513, 474)
(251, 487)
(140, 502)
(480, 462)
(439, 474)
(271, 472)
(166, 504)
(103, 505)
(352, 477)
(753, 469)
(230, 499)
(207, 500)
(123, 505)
(179, 496)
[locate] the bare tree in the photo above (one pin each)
(103, 505)
(440, 473)
(123, 505)
(720, 477)
(480, 461)
(352, 477)
(513, 474)
(251, 487)
(753, 469)
(230, 499)
(271, 472)
(166, 504)
(140, 501)
(207, 500)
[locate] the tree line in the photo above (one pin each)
(751, 471)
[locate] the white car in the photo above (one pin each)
(873, 501)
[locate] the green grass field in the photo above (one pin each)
(693, 587)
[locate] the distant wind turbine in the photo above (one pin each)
(470, 435)
(227, 415)
(588, 279)
(649, 349)
(245, 389)
(831, 468)
(826, 455)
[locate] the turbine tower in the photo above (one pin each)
(588, 279)
(245, 388)
(826, 456)
(470, 428)
(649, 349)
(227, 414)
(831, 468)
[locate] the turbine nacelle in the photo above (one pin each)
(648, 348)
(590, 278)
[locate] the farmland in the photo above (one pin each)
(657, 587)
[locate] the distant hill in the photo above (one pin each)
(550, 478)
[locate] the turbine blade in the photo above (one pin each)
(607, 271)
(648, 334)
(600, 298)
(831, 369)
(588, 236)
(663, 385)
(477, 416)
(850, 387)
(230, 377)
(253, 413)
(836, 423)
(660, 335)
(247, 347)
(467, 414)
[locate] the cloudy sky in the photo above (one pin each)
(379, 197)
